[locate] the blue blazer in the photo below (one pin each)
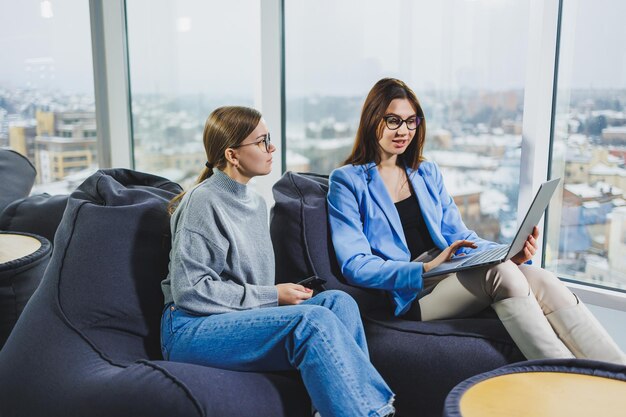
(367, 233)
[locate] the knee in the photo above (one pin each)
(313, 326)
(315, 317)
(340, 302)
(507, 281)
(547, 286)
(541, 280)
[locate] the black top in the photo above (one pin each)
(415, 231)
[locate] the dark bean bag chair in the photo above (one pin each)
(421, 361)
(87, 343)
(39, 214)
(18, 176)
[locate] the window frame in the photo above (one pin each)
(113, 103)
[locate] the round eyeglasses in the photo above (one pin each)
(266, 141)
(394, 122)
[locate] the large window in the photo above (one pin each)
(587, 225)
(47, 108)
(186, 59)
(466, 61)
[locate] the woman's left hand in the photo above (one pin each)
(529, 250)
(292, 294)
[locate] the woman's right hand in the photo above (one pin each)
(290, 294)
(447, 253)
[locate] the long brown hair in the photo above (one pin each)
(225, 128)
(371, 126)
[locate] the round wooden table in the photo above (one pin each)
(538, 392)
(14, 246)
(23, 260)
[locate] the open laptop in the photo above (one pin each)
(502, 253)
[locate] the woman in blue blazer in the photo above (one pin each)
(392, 219)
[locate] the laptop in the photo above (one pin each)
(502, 253)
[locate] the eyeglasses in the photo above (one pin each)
(394, 122)
(266, 141)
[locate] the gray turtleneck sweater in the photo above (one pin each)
(222, 257)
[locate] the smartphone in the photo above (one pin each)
(312, 282)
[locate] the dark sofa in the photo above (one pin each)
(87, 343)
(421, 361)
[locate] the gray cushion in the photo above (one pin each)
(39, 214)
(18, 177)
(301, 236)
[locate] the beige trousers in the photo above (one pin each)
(467, 292)
(542, 316)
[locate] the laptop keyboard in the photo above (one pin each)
(487, 256)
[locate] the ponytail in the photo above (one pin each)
(174, 202)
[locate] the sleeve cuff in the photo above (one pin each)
(267, 296)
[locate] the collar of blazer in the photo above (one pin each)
(424, 194)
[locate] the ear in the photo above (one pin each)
(231, 156)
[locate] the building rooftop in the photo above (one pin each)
(614, 129)
(462, 160)
(64, 141)
(603, 169)
(583, 190)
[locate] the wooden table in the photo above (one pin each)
(545, 394)
(14, 247)
(23, 260)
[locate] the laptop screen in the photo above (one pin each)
(533, 215)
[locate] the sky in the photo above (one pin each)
(25, 36)
(336, 47)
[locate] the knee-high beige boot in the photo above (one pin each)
(581, 332)
(524, 320)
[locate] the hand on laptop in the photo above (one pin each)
(530, 247)
(447, 253)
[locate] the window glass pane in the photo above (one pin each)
(47, 109)
(587, 223)
(466, 61)
(186, 59)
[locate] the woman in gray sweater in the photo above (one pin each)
(222, 308)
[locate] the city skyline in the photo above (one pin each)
(471, 133)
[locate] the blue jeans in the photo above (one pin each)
(322, 337)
